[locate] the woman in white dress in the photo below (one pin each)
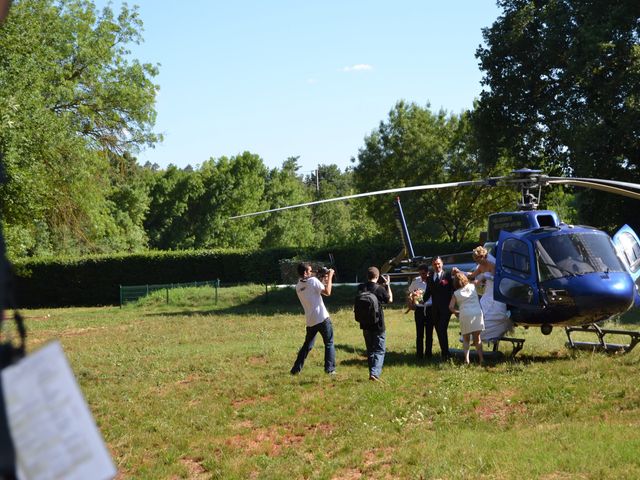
(469, 313)
(496, 316)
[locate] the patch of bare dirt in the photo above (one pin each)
(245, 424)
(378, 462)
(349, 474)
(189, 379)
(499, 407)
(242, 402)
(274, 439)
(194, 468)
(257, 360)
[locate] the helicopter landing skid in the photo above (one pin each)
(516, 343)
(494, 353)
(601, 345)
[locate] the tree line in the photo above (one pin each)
(561, 92)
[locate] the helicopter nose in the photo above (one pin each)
(604, 296)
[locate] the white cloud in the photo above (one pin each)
(359, 67)
(312, 81)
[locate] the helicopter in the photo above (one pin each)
(549, 273)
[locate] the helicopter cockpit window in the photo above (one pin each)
(575, 254)
(515, 257)
(631, 251)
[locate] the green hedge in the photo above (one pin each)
(91, 281)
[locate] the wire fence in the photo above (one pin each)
(131, 293)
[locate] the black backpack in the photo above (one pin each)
(366, 309)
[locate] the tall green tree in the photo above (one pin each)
(342, 222)
(171, 194)
(233, 186)
(417, 147)
(70, 96)
(288, 227)
(562, 93)
(190, 208)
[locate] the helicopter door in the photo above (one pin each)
(628, 247)
(515, 281)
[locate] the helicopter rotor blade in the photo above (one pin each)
(614, 183)
(370, 194)
(597, 186)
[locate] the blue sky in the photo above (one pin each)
(301, 78)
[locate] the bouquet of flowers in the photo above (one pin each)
(414, 298)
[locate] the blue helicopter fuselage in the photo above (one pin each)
(559, 274)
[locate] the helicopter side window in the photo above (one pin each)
(515, 257)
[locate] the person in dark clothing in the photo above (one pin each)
(440, 290)
(375, 337)
(422, 313)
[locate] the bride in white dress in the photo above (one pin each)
(496, 316)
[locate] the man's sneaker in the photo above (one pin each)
(373, 378)
(332, 373)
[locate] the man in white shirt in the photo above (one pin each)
(310, 291)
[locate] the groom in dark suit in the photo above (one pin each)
(440, 289)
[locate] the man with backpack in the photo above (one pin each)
(310, 291)
(370, 315)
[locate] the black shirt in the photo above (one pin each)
(383, 297)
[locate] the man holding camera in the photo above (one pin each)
(375, 336)
(310, 290)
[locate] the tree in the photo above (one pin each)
(190, 208)
(69, 99)
(417, 147)
(563, 93)
(342, 222)
(233, 186)
(288, 227)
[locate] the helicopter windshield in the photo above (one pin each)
(576, 254)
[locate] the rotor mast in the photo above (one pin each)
(528, 181)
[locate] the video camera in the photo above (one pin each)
(322, 272)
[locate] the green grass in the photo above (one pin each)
(199, 390)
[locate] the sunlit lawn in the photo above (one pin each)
(197, 390)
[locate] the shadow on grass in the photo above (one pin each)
(268, 303)
(632, 317)
(393, 358)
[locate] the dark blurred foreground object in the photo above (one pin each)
(4, 9)
(8, 353)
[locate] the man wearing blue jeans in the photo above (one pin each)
(310, 290)
(375, 337)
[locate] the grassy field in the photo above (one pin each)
(197, 390)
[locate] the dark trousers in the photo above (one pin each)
(441, 316)
(424, 331)
(325, 329)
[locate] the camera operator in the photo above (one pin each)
(310, 290)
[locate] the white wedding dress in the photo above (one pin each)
(496, 316)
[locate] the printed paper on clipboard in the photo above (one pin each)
(52, 428)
